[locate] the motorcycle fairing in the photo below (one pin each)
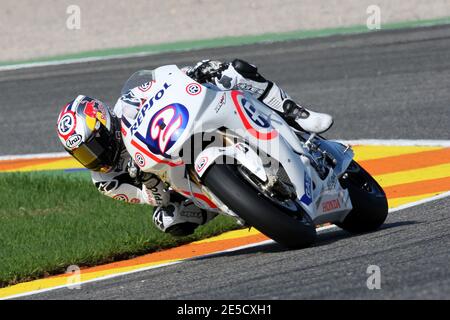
(207, 109)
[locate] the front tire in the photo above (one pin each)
(290, 229)
(370, 206)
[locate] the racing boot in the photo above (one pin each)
(307, 120)
(242, 75)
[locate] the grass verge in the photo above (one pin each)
(50, 220)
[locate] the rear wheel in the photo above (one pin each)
(370, 207)
(292, 228)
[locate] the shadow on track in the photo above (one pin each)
(323, 238)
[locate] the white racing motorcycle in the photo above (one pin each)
(232, 154)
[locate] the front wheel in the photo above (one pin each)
(370, 207)
(292, 229)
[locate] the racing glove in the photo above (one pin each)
(154, 190)
(206, 70)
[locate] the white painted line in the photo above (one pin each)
(416, 203)
(89, 281)
(35, 156)
(79, 60)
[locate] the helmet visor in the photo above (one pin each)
(98, 153)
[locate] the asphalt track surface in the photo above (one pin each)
(381, 85)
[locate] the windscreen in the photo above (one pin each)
(138, 78)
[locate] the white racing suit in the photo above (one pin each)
(173, 213)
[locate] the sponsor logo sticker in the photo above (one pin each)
(147, 105)
(222, 101)
(201, 164)
(121, 197)
(165, 128)
(193, 89)
(146, 86)
(254, 114)
(140, 160)
(66, 124)
(307, 197)
(74, 141)
(252, 118)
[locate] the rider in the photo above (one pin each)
(90, 132)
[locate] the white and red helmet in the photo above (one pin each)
(90, 132)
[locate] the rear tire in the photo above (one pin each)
(370, 207)
(290, 229)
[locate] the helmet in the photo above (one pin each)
(90, 132)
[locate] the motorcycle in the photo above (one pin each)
(232, 154)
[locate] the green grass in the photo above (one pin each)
(50, 220)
